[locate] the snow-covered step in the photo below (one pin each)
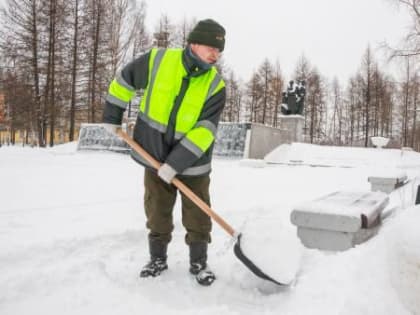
(339, 220)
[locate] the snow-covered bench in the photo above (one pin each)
(387, 183)
(340, 220)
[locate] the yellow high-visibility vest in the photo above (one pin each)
(166, 73)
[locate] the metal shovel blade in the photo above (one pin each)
(250, 265)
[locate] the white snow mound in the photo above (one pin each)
(403, 250)
(273, 247)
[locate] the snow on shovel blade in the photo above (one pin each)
(251, 266)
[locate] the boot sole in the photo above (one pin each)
(148, 274)
(206, 280)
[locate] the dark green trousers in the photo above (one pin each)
(159, 201)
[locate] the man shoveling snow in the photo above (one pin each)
(177, 123)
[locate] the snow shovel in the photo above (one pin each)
(204, 207)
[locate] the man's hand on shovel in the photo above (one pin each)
(166, 173)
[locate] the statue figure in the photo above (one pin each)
(293, 98)
(301, 92)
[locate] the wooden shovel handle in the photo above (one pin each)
(177, 183)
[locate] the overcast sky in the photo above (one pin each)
(332, 34)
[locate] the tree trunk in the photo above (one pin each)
(414, 127)
(53, 5)
(74, 71)
(367, 108)
(35, 69)
(95, 62)
(406, 96)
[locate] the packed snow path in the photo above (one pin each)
(73, 239)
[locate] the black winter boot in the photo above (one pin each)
(198, 264)
(157, 262)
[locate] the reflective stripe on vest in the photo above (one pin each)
(191, 171)
(120, 92)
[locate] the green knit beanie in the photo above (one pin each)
(208, 32)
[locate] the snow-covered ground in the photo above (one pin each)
(73, 236)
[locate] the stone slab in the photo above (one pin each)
(387, 180)
(340, 211)
(384, 188)
(386, 184)
(231, 139)
(95, 137)
(334, 240)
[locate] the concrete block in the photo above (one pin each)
(334, 240)
(340, 220)
(231, 139)
(332, 222)
(292, 126)
(264, 139)
(384, 188)
(254, 140)
(386, 184)
(340, 211)
(95, 137)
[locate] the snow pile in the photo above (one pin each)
(277, 254)
(403, 239)
(311, 154)
(67, 148)
(255, 163)
(73, 240)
